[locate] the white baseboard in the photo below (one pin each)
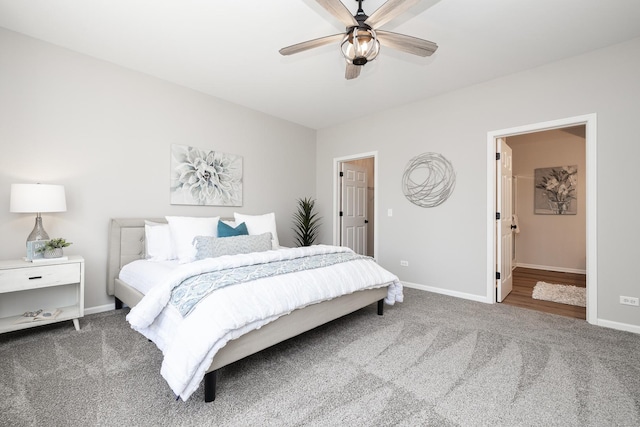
(551, 268)
(599, 322)
(448, 292)
(99, 309)
(619, 326)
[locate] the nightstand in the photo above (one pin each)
(28, 286)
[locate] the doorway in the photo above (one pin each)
(493, 235)
(549, 246)
(355, 203)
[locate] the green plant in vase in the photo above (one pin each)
(306, 222)
(54, 248)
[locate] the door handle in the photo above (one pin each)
(366, 221)
(513, 227)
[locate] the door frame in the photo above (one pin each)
(336, 195)
(589, 121)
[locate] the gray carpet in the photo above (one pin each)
(432, 360)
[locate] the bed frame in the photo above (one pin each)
(126, 244)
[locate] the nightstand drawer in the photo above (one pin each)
(19, 279)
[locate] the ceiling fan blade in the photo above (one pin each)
(310, 44)
(389, 11)
(406, 43)
(339, 10)
(352, 71)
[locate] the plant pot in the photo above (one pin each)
(53, 253)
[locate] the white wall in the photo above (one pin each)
(446, 246)
(554, 242)
(105, 133)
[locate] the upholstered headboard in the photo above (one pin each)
(126, 244)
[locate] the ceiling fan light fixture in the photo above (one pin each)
(360, 45)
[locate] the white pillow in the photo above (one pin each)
(184, 229)
(259, 224)
(157, 241)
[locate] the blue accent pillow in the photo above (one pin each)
(225, 230)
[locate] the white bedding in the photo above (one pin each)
(189, 344)
(144, 274)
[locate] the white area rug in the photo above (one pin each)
(564, 294)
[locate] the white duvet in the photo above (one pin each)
(189, 344)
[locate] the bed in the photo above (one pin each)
(127, 244)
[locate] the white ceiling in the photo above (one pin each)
(229, 48)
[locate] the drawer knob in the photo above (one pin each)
(35, 277)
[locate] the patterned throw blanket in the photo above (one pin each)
(191, 291)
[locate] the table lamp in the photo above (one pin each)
(37, 198)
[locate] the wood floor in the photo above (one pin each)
(524, 279)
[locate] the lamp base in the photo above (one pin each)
(36, 240)
(38, 232)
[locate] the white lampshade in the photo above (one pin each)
(37, 198)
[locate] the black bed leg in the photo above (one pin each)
(380, 307)
(118, 304)
(210, 386)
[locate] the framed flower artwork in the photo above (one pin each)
(205, 177)
(555, 190)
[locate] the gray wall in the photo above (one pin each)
(446, 246)
(553, 242)
(105, 133)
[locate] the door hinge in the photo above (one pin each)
(497, 275)
(497, 215)
(341, 174)
(340, 213)
(497, 156)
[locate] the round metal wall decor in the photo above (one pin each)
(428, 180)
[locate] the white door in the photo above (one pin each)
(353, 228)
(504, 232)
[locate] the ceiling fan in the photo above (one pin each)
(362, 39)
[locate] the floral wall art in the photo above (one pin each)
(555, 190)
(205, 177)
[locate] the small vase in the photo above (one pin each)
(53, 253)
(559, 208)
(563, 207)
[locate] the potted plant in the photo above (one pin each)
(306, 222)
(53, 248)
